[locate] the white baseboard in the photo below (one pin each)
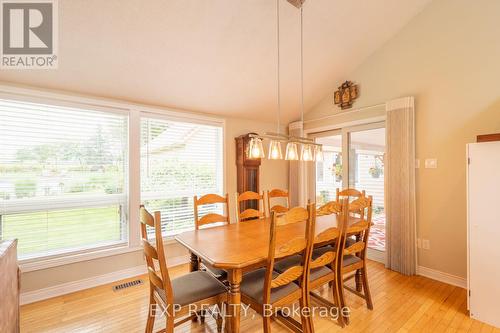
(376, 255)
(73, 286)
(442, 277)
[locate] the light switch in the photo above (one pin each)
(431, 163)
(417, 163)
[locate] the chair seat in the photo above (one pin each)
(350, 260)
(253, 286)
(194, 287)
(319, 272)
(218, 273)
(282, 265)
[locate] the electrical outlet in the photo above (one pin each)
(426, 244)
(431, 163)
(419, 243)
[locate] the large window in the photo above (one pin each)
(63, 178)
(179, 160)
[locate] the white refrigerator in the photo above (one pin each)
(483, 228)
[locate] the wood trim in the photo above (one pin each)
(488, 137)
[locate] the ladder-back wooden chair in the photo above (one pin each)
(175, 298)
(277, 193)
(354, 255)
(266, 289)
(210, 219)
(324, 263)
(250, 213)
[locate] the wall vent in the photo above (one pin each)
(129, 284)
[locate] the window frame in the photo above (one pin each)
(134, 111)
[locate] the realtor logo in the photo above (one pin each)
(29, 34)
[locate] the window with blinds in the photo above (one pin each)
(63, 178)
(179, 160)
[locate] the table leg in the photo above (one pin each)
(194, 263)
(235, 277)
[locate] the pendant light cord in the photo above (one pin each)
(302, 64)
(278, 59)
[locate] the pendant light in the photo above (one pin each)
(292, 153)
(307, 153)
(256, 150)
(318, 154)
(275, 145)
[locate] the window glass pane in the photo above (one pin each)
(62, 177)
(179, 160)
(366, 172)
(329, 171)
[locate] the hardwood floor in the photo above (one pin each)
(401, 304)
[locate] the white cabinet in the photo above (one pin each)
(483, 197)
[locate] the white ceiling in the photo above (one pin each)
(216, 56)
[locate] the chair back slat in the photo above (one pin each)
(155, 279)
(250, 213)
(288, 276)
(332, 207)
(210, 199)
(323, 260)
(294, 215)
(278, 193)
(211, 218)
(355, 248)
(149, 250)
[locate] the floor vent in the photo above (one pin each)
(127, 285)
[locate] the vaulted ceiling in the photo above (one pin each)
(216, 56)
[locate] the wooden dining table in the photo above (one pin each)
(241, 247)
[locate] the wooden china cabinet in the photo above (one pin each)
(247, 170)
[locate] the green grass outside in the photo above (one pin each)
(41, 232)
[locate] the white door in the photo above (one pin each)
(484, 231)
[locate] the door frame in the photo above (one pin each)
(345, 130)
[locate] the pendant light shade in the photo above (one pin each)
(256, 149)
(307, 153)
(319, 154)
(275, 150)
(292, 152)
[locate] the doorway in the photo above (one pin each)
(354, 157)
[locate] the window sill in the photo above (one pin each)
(29, 265)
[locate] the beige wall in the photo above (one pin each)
(448, 57)
(273, 174)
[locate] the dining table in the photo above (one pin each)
(242, 247)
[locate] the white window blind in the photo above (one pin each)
(63, 178)
(179, 160)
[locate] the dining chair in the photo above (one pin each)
(250, 213)
(324, 263)
(175, 298)
(354, 255)
(266, 290)
(211, 219)
(277, 193)
(351, 194)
